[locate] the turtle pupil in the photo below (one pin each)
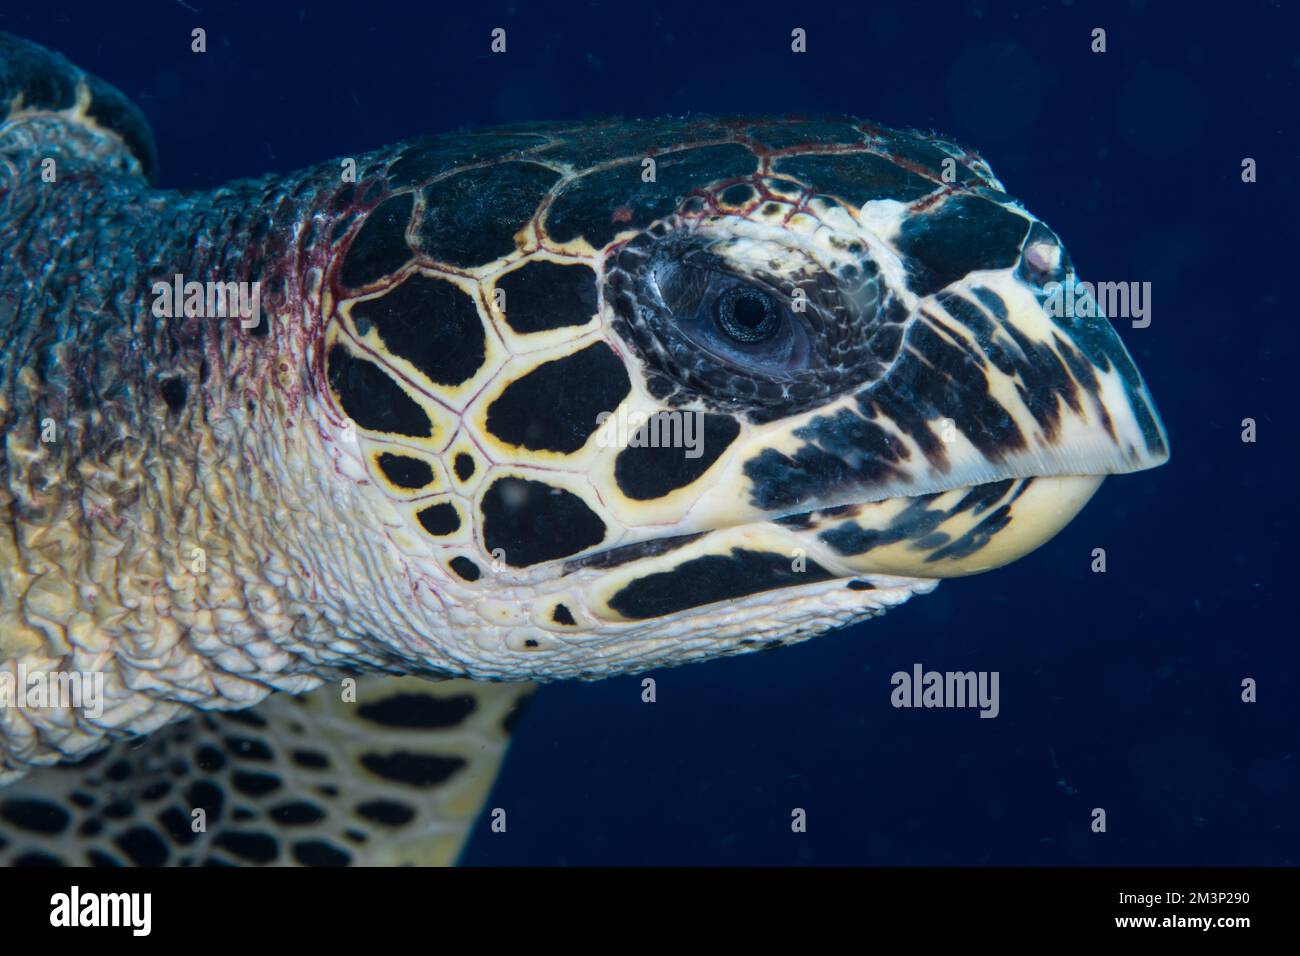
(750, 312)
(747, 315)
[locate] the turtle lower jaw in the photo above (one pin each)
(899, 546)
(953, 533)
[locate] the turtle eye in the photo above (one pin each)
(746, 314)
(746, 322)
(738, 323)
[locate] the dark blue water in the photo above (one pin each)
(1119, 691)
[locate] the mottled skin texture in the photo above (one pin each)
(101, 523)
(394, 776)
(404, 472)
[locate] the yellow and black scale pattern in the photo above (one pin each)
(402, 466)
(564, 229)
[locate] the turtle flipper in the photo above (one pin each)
(396, 777)
(52, 99)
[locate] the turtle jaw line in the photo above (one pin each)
(925, 490)
(1039, 507)
(954, 532)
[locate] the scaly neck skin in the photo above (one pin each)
(164, 481)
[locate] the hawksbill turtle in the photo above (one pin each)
(543, 401)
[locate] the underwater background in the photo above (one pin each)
(1120, 690)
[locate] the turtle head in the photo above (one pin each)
(778, 385)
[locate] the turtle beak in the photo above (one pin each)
(992, 429)
(988, 386)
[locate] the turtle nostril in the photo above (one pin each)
(1043, 259)
(1043, 256)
